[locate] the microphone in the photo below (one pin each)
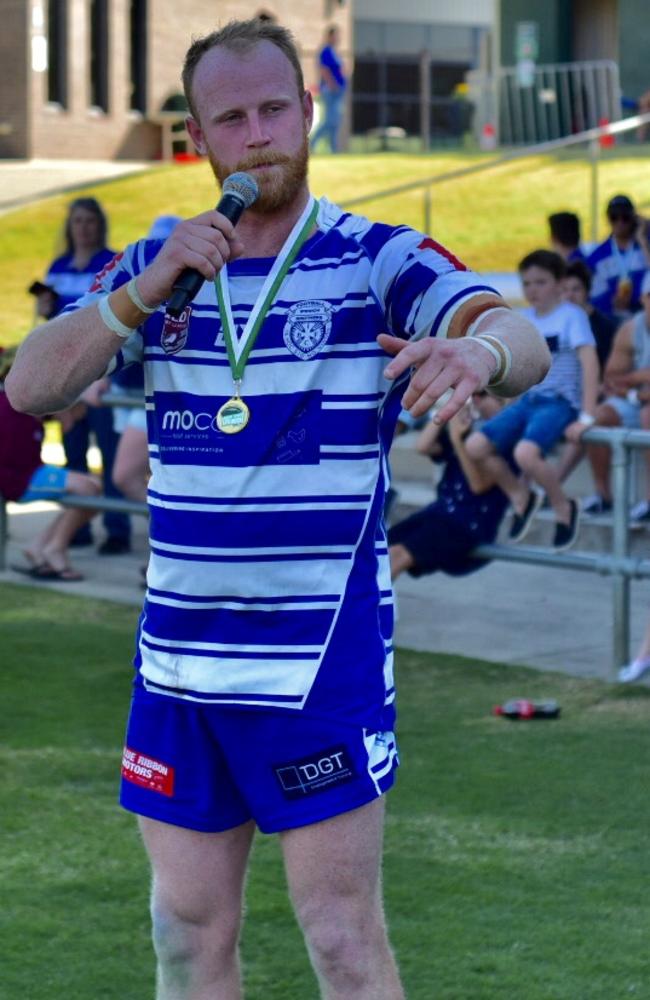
(239, 191)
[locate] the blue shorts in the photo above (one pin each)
(211, 768)
(540, 419)
(629, 413)
(47, 483)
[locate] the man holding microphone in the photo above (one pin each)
(263, 694)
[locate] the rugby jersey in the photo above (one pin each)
(608, 266)
(269, 580)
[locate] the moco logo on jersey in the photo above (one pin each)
(186, 420)
(174, 333)
(316, 773)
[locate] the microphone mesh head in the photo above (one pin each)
(242, 186)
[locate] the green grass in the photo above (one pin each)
(516, 853)
(490, 220)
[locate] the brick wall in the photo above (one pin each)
(79, 131)
(15, 60)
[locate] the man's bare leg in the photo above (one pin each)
(400, 560)
(196, 905)
(334, 874)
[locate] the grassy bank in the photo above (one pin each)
(490, 219)
(516, 853)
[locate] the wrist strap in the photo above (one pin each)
(134, 295)
(501, 353)
(111, 320)
(586, 418)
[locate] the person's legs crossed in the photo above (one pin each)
(196, 904)
(334, 875)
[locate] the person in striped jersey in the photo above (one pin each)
(264, 694)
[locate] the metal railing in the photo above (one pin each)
(617, 564)
(591, 137)
(551, 101)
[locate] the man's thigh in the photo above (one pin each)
(336, 859)
(197, 875)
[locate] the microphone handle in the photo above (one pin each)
(189, 281)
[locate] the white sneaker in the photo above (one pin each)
(634, 671)
(641, 511)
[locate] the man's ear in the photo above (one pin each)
(308, 109)
(196, 135)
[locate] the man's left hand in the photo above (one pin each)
(461, 365)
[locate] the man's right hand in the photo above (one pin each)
(204, 243)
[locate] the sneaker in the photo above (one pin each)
(521, 522)
(566, 534)
(641, 511)
(634, 671)
(114, 546)
(596, 505)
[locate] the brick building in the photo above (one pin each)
(86, 78)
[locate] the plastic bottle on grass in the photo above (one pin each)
(521, 708)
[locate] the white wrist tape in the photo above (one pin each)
(134, 295)
(586, 418)
(500, 352)
(111, 320)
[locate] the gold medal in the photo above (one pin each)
(233, 416)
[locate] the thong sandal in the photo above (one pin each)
(65, 575)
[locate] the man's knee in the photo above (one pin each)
(183, 942)
(346, 939)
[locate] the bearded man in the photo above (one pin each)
(263, 695)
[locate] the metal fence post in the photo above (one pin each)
(594, 157)
(426, 205)
(620, 548)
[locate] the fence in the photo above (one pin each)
(553, 101)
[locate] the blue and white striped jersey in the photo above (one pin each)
(269, 582)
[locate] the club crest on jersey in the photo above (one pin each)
(174, 332)
(307, 328)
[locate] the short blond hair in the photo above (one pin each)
(240, 36)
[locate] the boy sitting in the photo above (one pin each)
(563, 404)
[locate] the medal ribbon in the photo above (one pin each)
(239, 350)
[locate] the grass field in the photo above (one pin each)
(516, 854)
(490, 220)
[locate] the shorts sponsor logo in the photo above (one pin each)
(146, 772)
(307, 328)
(316, 773)
(174, 334)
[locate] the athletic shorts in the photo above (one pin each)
(47, 483)
(629, 413)
(540, 419)
(212, 768)
(437, 540)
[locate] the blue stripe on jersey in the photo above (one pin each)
(190, 556)
(269, 529)
(211, 654)
(344, 498)
(246, 627)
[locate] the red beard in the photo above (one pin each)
(277, 189)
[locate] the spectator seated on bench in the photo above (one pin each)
(25, 478)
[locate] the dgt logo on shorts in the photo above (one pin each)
(315, 773)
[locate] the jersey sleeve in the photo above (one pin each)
(113, 275)
(425, 291)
